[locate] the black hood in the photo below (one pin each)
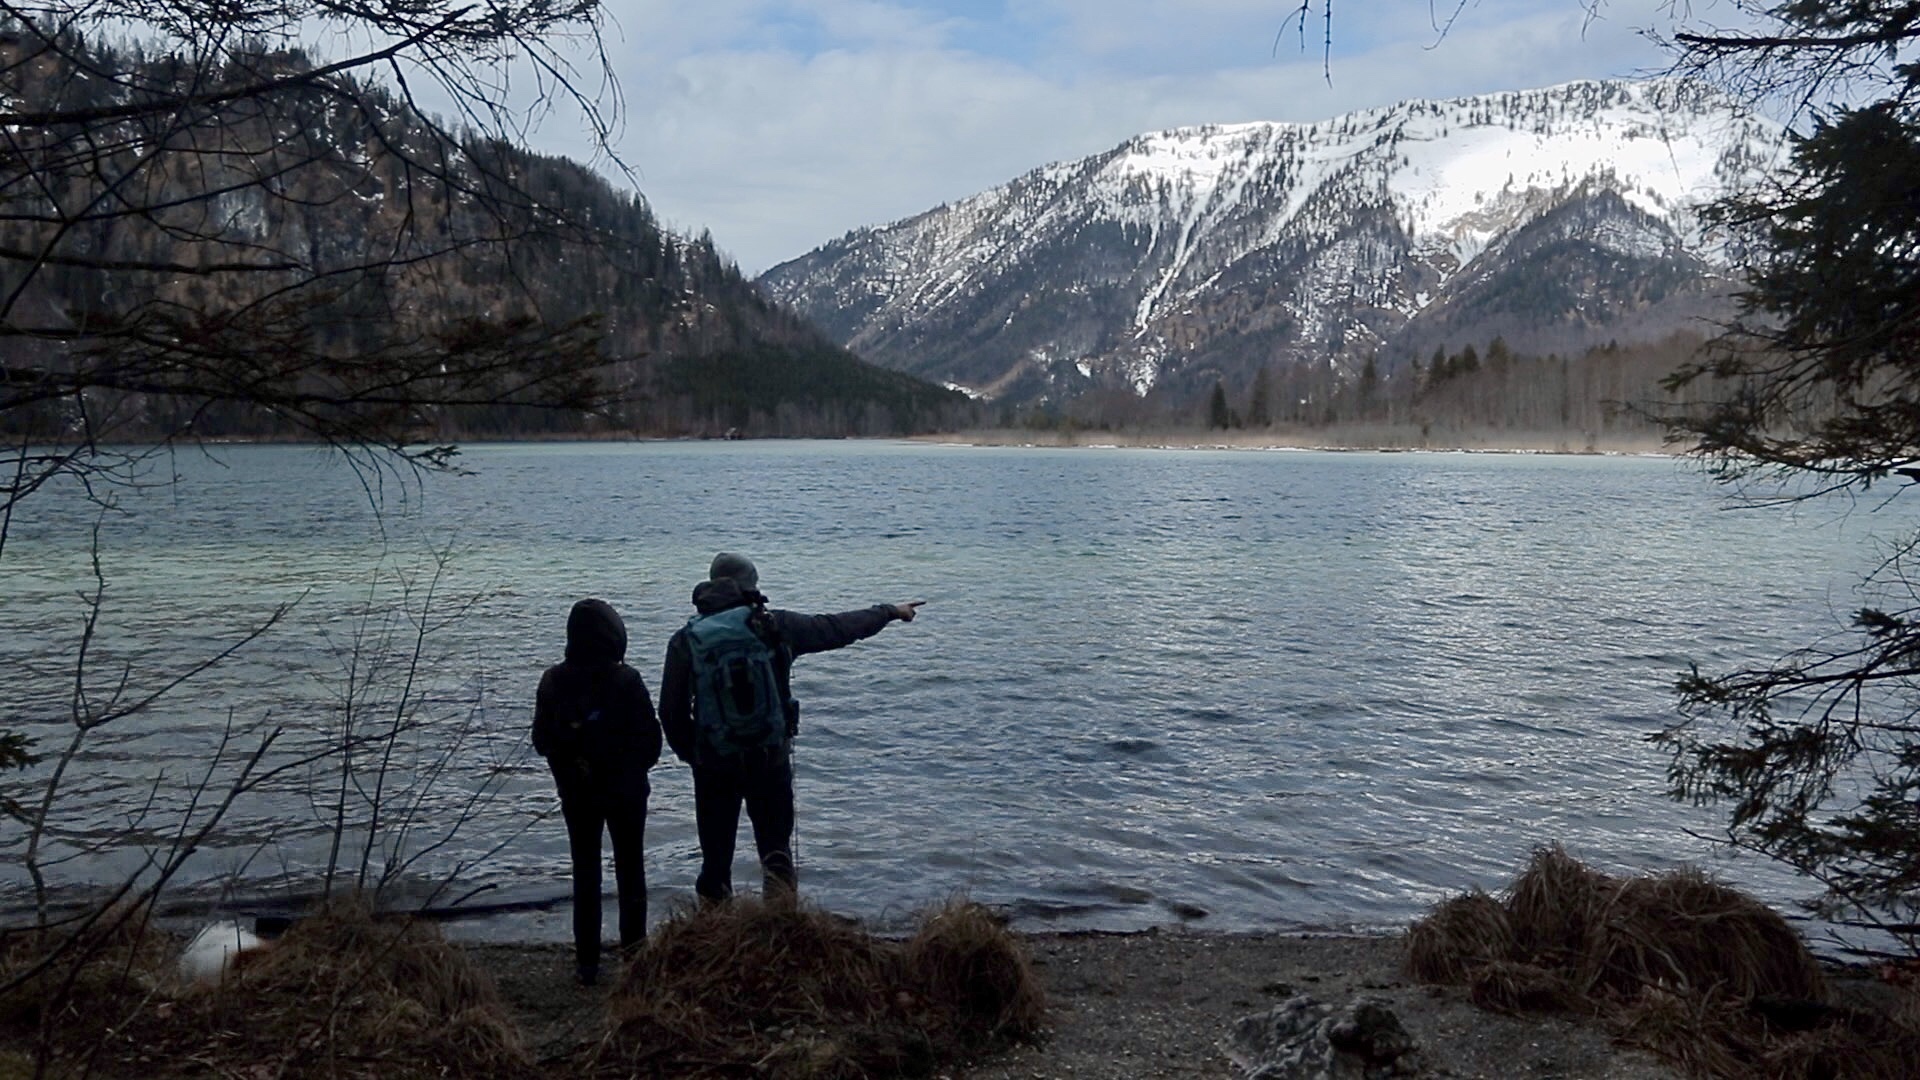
(721, 594)
(595, 634)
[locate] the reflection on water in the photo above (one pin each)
(1234, 689)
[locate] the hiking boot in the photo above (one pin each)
(780, 885)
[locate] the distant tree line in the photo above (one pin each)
(1480, 389)
(1608, 390)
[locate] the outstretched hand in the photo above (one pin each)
(905, 612)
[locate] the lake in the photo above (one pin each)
(1228, 689)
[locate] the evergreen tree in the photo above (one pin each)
(135, 301)
(1817, 756)
(1260, 401)
(1498, 355)
(517, 292)
(1217, 414)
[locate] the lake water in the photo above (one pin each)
(1238, 689)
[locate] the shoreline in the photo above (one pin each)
(1157, 1003)
(1161, 1004)
(1377, 439)
(1347, 439)
(1153, 1004)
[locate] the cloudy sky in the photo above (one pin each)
(781, 124)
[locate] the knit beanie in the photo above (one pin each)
(738, 567)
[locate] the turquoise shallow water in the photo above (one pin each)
(1240, 689)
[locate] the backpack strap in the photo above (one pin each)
(768, 629)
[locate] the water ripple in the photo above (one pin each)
(1248, 690)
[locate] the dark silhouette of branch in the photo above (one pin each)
(167, 105)
(1797, 42)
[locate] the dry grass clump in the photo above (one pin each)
(971, 970)
(1907, 1012)
(783, 989)
(1555, 906)
(1460, 934)
(1840, 1051)
(342, 994)
(1714, 1034)
(773, 984)
(345, 993)
(1705, 1034)
(1684, 930)
(1506, 986)
(69, 983)
(1676, 962)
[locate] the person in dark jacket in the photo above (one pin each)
(762, 777)
(595, 725)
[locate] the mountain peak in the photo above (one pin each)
(1195, 253)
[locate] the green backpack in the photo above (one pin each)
(736, 694)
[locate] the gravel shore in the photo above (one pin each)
(1162, 1004)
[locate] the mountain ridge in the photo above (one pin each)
(1203, 253)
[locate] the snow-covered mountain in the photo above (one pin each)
(1556, 218)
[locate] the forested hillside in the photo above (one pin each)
(166, 230)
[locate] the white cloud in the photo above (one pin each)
(780, 124)
(875, 23)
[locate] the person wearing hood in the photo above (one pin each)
(731, 767)
(594, 723)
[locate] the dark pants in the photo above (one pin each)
(764, 781)
(624, 818)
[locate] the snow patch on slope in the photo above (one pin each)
(1378, 210)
